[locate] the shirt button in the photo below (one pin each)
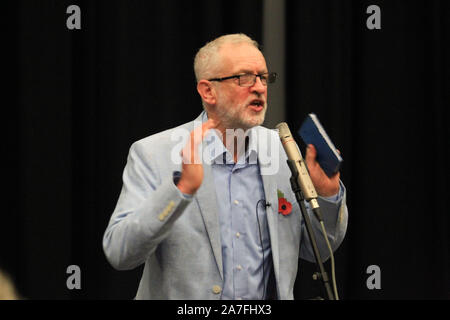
(236, 202)
(239, 267)
(238, 235)
(216, 289)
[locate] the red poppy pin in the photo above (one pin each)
(284, 206)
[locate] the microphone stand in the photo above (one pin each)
(300, 199)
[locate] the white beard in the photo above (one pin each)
(239, 116)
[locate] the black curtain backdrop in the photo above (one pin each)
(383, 97)
(82, 97)
(77, 99)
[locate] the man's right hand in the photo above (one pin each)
(192, 167)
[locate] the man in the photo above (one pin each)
(219, 227)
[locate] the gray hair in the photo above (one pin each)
(206, 60)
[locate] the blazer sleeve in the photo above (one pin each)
(335, 216)
(148, 205)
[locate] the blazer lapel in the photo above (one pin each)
(206, 199)
(207, 202)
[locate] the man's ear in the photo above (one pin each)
(207, 91)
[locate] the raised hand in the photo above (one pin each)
(325, 186)
(192, 167)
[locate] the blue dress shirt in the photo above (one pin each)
(246, 252)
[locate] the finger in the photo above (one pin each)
(199, 133)
(189, 152)
(210, 124)
(311, 154)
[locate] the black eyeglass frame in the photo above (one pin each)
(271, 78)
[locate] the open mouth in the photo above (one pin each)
(257, 104)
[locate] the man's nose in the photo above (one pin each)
(258, 86)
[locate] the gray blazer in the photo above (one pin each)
(178, 239)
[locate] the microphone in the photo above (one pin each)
(308, 192)
(267, 204)
(293, 153)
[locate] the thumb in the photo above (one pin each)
(311, 154)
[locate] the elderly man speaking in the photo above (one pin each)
(216, 224)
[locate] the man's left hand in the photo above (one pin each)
(325, 186)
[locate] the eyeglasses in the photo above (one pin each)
(249, 79)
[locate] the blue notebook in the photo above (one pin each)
(313, 133)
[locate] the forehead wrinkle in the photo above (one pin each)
(238, 59)
(251, 65)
